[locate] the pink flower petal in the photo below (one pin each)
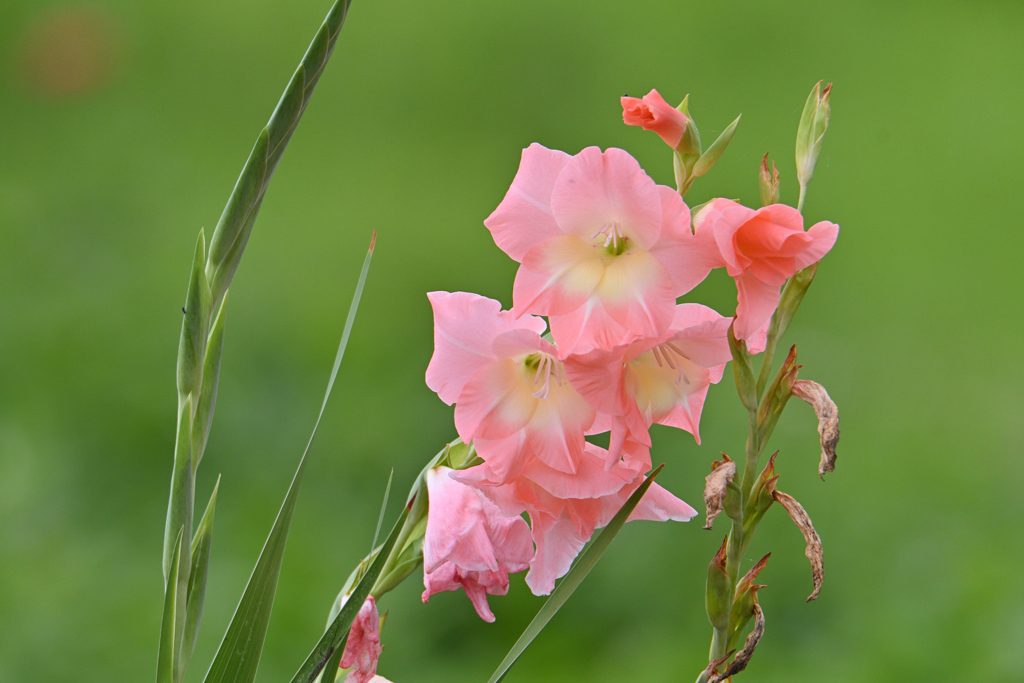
(363, 648)
(557, 276)
(464, 327)
(495, 402)
(687, 257)
(637, 292)
(757, 303)
(823, 236)
(524, 218)
(597, 190)
(558, 544)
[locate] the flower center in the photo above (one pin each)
(544, 366)
(615, 241)
(668, 354)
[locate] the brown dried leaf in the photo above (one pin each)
(743, 656)
(828, 420)
(712, 667)
(814, 550)
(722, 474)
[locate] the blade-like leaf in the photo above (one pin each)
(194, 325)
(180, 503)
(711, 155)
(235, 224)
(208, 392)
(239, 653)
(166, 667)
(573, 579)
(201, 545)
(383, 509)
(336, 634)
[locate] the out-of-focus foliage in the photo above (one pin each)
(123, 126)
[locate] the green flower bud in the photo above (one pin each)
(719, 594)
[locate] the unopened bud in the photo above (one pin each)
(746, 598)
(777, 395)
(769, 182)
(718, 597)
(743, 371)
(811, 131)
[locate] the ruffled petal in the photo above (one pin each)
(558, 543)
(464, 328)
(687, 257)
(823, 236)
(524, 218)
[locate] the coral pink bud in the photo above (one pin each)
(654, 113)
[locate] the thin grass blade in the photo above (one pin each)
(239, 653)
(573, 579)
(383, 509)
(167, 656)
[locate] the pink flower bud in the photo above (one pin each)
(654, 113)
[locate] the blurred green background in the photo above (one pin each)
(123, 126)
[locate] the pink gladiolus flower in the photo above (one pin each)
(604, 250)
(565, 510)
(363, 647)
(469, 543)
(660, 380)
(508, 385)
(654, 113)
(761, 249)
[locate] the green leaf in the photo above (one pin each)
(174, 593)
(201, 544)
(235, 224)
(239, 653)
(573, 579)
(208, 392)
(194, 325)
(336, 634)
(180, 502)
(709, 157)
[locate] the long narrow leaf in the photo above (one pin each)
(383, 509)
(239, 653)
(573, 579)
(201, 546)
(336, 634)
(166, 660)
(235, 224)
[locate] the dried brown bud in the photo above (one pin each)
(828, 420)
(722, 474)
(813, 551)
(743, 656)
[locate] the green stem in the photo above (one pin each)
(803, 196)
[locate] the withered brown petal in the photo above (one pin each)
(743, 656)
(828, 420)
(715, 487)
(814, 550)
